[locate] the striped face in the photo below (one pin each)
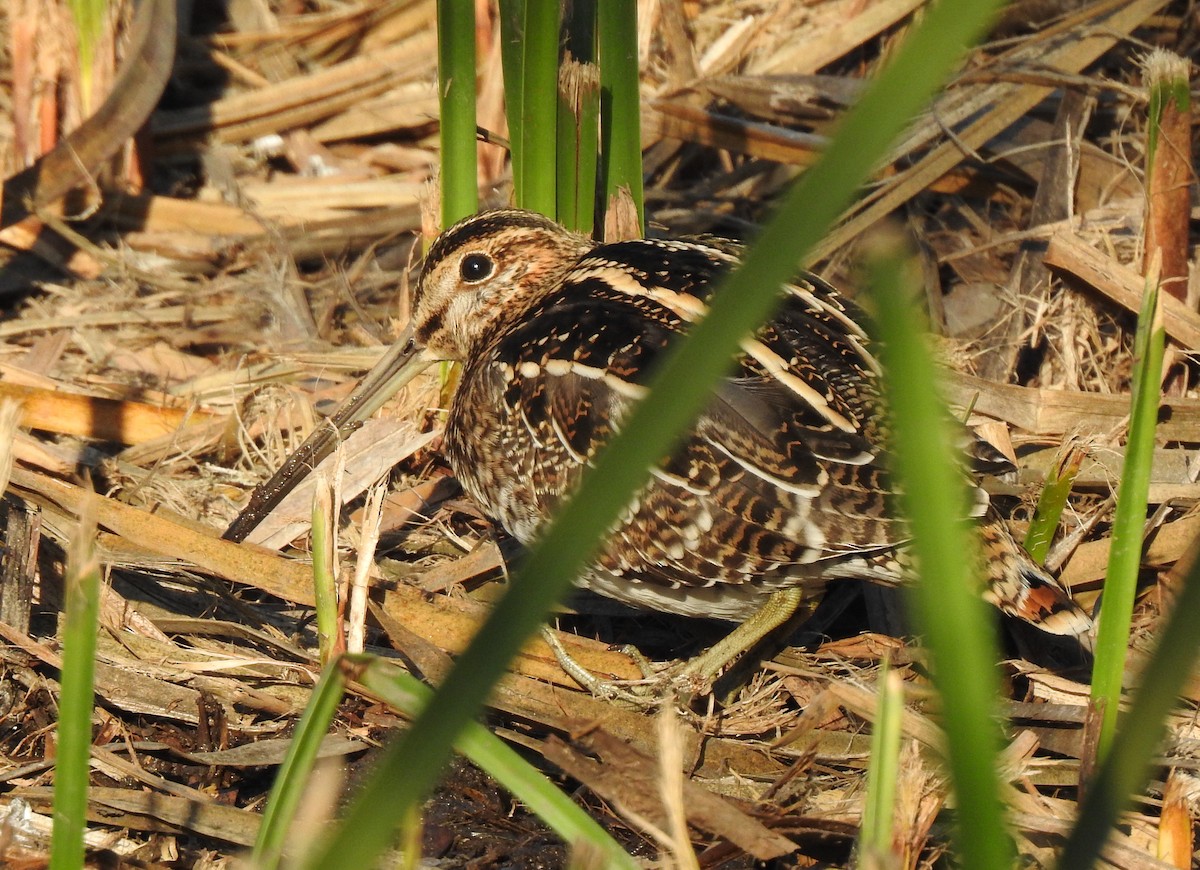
(482, 271)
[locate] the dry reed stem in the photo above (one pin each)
(184, 311)
(1169, 174)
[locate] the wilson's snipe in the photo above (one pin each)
(780, 486)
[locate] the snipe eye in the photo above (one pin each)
(476, 267)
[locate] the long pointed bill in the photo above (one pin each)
(402, 362)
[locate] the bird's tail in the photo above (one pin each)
(1019, 587)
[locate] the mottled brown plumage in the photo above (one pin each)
(780, 486)
(780, 483)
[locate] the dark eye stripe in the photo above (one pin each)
(431, 324)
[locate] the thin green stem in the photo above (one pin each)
(288, 790)
(1124, 769)
(501, 762)
(324, 572)
(76, 700)
(1125, 555)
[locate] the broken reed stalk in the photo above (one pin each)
(1168, 168)
(88, 17)
(620, 108)
(578, 144)
(875, 836)
(1053, 501)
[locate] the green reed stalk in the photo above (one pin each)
(456, 100)
(512, 60)
(539, 107)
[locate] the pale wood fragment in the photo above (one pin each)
(1169, 543)
(628, 779)
(1059, 412)
(1175, 841)
(292, 200)
(839, 28)
(125, 422)
(302, 100)
(1120, 284)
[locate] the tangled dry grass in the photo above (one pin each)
(186, 334)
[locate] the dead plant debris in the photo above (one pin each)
(174, 341)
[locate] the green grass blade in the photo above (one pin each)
(1124, 769)
(74, 729)
(952, 618)
(620, 106)
(411, 827)
(408, 769)
(288, 790)
(325, 573)
(456, 99)
(1120, 584)
(88, 17)
(492, 755)
(883, 771)
(1052, 502)
(539, 106)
